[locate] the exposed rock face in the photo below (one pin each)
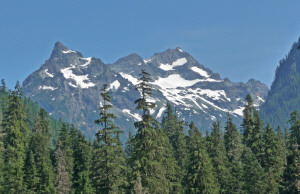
(68, 84)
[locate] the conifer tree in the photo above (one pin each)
(39, 146)
(272, 160)
(254, 176)
(200, 176)
(220, 161)
(82, 164)
(291, 175)
(255, 141)
(108, 170)
(175, 132)
(15, 142)
(248, 122)
(295, 128)
(31, 176)
(234, 149)
(63, 184)
(152, 154)
(66, 147)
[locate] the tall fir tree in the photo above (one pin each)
(66, 147)
(152, 154)
(234, 149)
(272, 161)
(15, 142)
(254, 175)
(31, 178)
(82, 164)
(256, 142)
(175, 132)
(64, 183)
(109, 170)
(39, 146)
(220, 161)
(200, 176)
(291, 180)
(200, 173)
(248, 122)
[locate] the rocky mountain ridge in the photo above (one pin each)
(67, 85)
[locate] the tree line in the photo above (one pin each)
(36, 157)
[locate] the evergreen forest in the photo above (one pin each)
(39, 154)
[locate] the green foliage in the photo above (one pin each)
(217, 152)
(234, 150)
(254, 175)
(108, 170)
(152, 154)
(159, 158)
(200, 177)
(39, 149)
(174, 129)
(63, 184)
(15, 142)
(82, 163)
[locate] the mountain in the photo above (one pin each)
(68, 84)
(284, 95)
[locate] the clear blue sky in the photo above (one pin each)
(238, 39)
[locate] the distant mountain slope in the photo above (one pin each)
(68, 84)
(284, 96)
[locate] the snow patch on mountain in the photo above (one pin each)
(68, 51)
(130, 78)
(89, 59)
(178, 62)
(147, 60)
(200, 71)
(239, 111)
(136, 116)
(47, 88)
(259, 98)
(81, 80)
(48, 74)
(174, 81)
(115, 85)
(160, 112)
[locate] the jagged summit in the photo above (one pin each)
(68, 84)
(60, 50)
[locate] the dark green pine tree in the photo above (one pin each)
(31, 176)
(254, 175)
(282, 153)
(255, 141)
(15, 142)
(234, 149)
(248, 122)
(295, 128)
(64, 183)
(291, 182)
(82, 163)
(152, 154)
(220, 161)
(66, 147)
(39, 146)
(109, 166)
(200, 173)
(175, 132)
(273, 161)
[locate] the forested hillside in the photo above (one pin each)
(284, 96)
(159, 158)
